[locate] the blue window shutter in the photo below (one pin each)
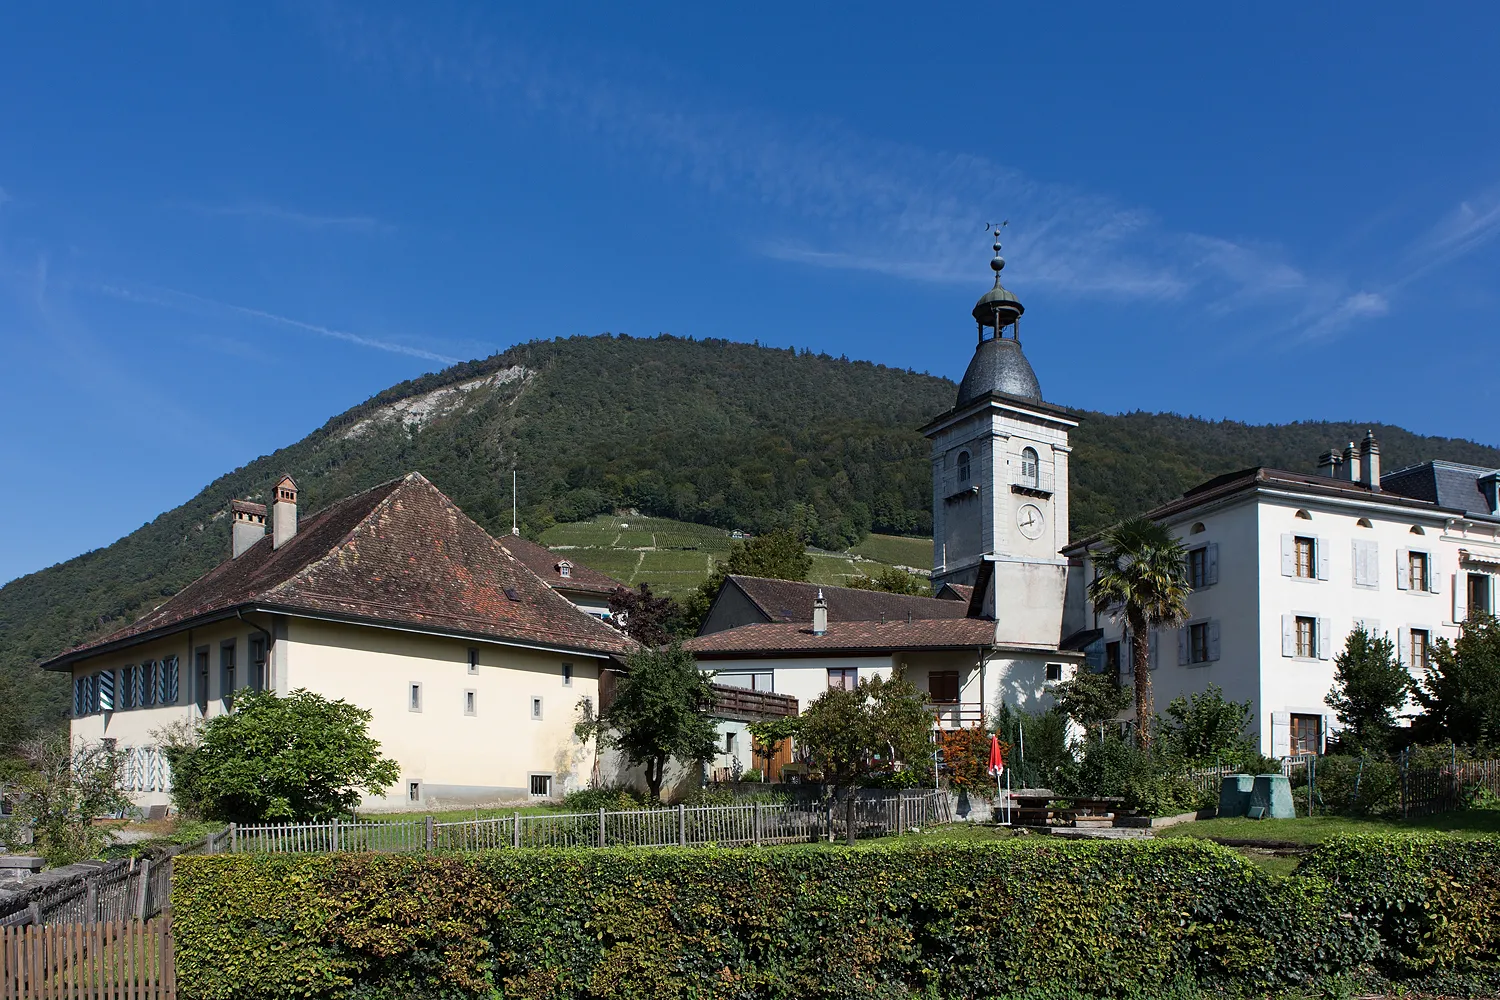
(1151, 659)
(1182, 646)
(1213, 640)
(1211, 569)
(107, 690)
(80, 696)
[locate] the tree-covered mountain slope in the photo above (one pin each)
(727, 434)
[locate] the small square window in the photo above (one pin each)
(567, 675)
(541, 786)
(473, 661)
(536, 708)
(414, 791)
(469, 703)
(1054, 671)
(414, 698)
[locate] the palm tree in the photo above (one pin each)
(1140, 576)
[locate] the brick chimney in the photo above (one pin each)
(1351, 463)
(820, 614)
(1369, 461)
(1328, 464)
(283, 512)
(249, 525)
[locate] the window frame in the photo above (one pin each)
(1308, 544)
(946, 675)
(471, 702)
(1293, 742)
(1413, 660)
(531, 784)
(414, 696)
(1051, 669)
(537, 714)
(567, 675)
(1312, 637)
(473, 665)
(414, 790)
(257, 667)
(1413, 558)
(846, 675)
(964, 467)
(201, 678)
(1031, 468)
(228, 667)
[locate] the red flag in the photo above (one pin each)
(997, 760)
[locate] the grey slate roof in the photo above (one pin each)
(1447, 484)
(999, 366)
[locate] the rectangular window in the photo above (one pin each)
(1479, 594)
(1198, 643)
(414, 791)
(541, 786)
(1197, 567)
(1421, 647)
(729, 742)
(844, 678)
(1306, 563)
(942, 686)
(1054, 671)
(128, 680)
(414, 697)
(469, 703)
(227, 680)
(1307, 637)
(150, 671)
(257, 678)
(536, 708)
(1416, 570)
(473, 661)
(746, 680)
(1307, 734)
(80, 696)
(567, 675)
(200, 677)
(1112, 658)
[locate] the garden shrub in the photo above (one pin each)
(1349, 786)
(614, 798)
(1024, 917)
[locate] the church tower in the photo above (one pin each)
(1000, 481)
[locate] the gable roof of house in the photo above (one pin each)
(792, 601)
(781, 638)
(400, 554)
(544, 563)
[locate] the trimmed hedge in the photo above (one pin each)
(945, 920)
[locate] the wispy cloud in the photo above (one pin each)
(265, 212)
(824, 196)
(173, 299)
(1462, 230)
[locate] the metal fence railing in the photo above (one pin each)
(680, 826)
(127, 889)
(1423, 791)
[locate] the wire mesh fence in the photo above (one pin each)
(737, 825)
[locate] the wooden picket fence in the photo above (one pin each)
(110, 960)
(1428, 791)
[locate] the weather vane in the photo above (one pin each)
(990, 225)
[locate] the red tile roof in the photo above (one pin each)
(543, 562)
(774, 638)
(792, 601)
(400, 554)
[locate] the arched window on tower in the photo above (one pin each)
(1031, 473)
(963, 467)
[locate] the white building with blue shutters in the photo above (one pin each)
(1284, 565)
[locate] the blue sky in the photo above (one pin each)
(221, 225)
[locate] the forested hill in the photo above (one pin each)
(729, 434)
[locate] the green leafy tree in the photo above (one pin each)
(777, 555)
(1141, 578)
(882, 726)
(1091, 699)
(60, 787)
(660, 713)
(894, 580)
(1369, 686)
(302, 757)
(1460, 694)
(1207, 728)
(1039, 743)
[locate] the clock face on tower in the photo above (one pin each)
(1030, 520)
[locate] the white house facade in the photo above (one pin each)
(393, 600)
(1285, 565)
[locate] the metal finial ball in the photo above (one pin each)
(997, 264)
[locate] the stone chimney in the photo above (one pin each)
(284, 512)
(249, 525)
(1369, 461)
(1328, 464)
(1351, 463)
(820, 614)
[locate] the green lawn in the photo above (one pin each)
(1316, 829)
(675, 556)
(896, 550)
